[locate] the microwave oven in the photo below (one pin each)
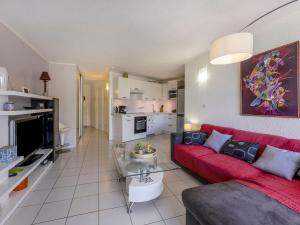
(172, 94)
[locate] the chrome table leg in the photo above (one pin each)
(129, 207)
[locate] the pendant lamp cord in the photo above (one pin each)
(267, 13)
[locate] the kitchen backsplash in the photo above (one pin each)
(135, 106)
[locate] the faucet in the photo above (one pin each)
(153, 108)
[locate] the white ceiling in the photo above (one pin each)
(147, 37)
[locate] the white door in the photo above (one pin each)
(100, 108)
(86, 105)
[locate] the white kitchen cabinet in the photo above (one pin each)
(127, 128)
(150, 124)
(123, 127)
(159, 123)
(157, 91)
(123, 88)
(166, 87)
(165, 91)
(153, 91)
(171, 121)
(172, 85)
(147, 91)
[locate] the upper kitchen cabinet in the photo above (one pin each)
(165, 91)
(148, 90)
(153, 91)
(167, 88)
(123, 86)
(172, 85)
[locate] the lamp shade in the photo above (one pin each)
(45, 76)
(187, 127)
(232, 48)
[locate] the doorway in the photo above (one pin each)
(94, 104)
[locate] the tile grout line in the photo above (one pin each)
(65, 200)
(76, 184)
(49, 194)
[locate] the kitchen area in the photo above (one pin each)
(142, 107)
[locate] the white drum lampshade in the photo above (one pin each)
(187, 127)
(232, 48)
(3, 79)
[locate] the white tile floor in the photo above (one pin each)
(81, 188)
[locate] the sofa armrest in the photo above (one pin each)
(176, 138)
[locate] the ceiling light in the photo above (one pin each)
(232, 48)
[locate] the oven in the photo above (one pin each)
(140, 124)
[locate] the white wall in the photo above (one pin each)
(63, 86)
(217, 100)
(24, 67)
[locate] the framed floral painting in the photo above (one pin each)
(269, 83)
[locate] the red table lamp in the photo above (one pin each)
(45, 77)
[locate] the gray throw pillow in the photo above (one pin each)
(216, 140)
(278, 161)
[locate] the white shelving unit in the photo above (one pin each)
(16, 198)
(11, 200)
(24, 95)
(12, 182)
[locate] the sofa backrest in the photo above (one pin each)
(293, 145)
(208, 128)
(262, 139)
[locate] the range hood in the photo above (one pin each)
(136, 91)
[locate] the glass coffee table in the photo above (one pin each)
(143, 175)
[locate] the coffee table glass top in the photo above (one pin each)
(128, 165)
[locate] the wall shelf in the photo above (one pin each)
(9, 185)
(24, 112)
(16, 198)
(8, 166)
(24, 95)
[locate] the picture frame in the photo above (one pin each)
(269, 83)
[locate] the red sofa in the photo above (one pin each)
(217, 167)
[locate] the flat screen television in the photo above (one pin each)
(27, 135)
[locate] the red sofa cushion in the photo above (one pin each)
(262, 139)
(188, 154)
(220, 167)
(285, 191)
(208, 128)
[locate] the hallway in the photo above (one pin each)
(82, 188)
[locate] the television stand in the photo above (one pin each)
(31, 160)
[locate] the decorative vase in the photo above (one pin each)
(3, 79)
(8, 106)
